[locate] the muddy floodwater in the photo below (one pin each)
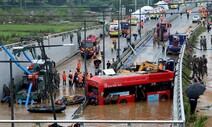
(130, 111)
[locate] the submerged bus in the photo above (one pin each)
(130, 87)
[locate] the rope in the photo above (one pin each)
(199, 48)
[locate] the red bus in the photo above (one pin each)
(130, 87)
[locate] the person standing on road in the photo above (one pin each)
(142, 24)
(193, 104)
(201, 43)
(195, 66)
(71, 37)
(205, 68)
(139, 29)
(78, 65)
(57, 80)
(161, 18)
(70, 76)
(114, 43)
(208, 27)
(79, 36)
(204, 43)
(163, 47)
(108, 64)
(64, 77)
(200, 68)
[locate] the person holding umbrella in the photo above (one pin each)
(193, 92)
(193, 104)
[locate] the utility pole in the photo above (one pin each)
(49, 80)
(118, 52)
(104, 40)
(135, 5)
(85, 53)
(11, 95)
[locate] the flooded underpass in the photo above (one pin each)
(130, 111)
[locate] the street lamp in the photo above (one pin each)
(85, 53)
(118, 50)
(130, 10)
(104, 40)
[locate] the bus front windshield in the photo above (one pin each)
(93, 89)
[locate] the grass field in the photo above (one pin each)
(23, 28)
(11, 33)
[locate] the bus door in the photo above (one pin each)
(140, 93)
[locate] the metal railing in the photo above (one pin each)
(178, 106)
(82, 123)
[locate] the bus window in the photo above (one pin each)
(124, 90)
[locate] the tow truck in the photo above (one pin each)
(175, 43)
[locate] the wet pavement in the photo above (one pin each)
(204, 105)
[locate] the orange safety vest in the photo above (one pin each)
(80, 78)
(128, 31)
(78, 65)
(141, 24)
(161, 18)
(64, 76)
(113, 40)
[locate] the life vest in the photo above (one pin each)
(80, 78)
(161, 18)
(78, 65)
(141, 24)
(64, 76)
(113, 40)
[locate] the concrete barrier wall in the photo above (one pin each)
(57, 54)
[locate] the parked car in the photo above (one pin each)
(196, 18)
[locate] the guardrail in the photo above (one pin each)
(178, 106)
(82, 123)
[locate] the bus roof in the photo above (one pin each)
(91, 38)
(133, 78)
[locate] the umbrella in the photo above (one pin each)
(195, 90)
(97, 62)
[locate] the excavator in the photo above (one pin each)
(151, 66)
(145, 66)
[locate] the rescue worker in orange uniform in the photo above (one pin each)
(64, 77)
(142, 24)
(78, 65)
(80, 76)
(161, 18)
